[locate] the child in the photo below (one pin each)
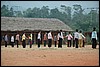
(69, 38)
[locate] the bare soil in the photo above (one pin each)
(54, 56)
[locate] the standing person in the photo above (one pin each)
(58, 38)
(39, 38)
(31, 40)
(17, 39)
(84, 40)
(69, 38)
(23, 41)
(94, 38)
(45, 39)
(76, 36)
(81, 38)
(73, 41)
(60, 35)
(55, 40)
(12, 41)
(6, 40)
(49, 39)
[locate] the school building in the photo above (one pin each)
(14, 25)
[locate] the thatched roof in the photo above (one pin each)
(45, 24)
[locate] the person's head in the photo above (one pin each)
(60, 30)
(45, 33)
(76, 30)
(69, 32)
(39, 32)
(80, 31)
(49, 31)
(23, 32)
(94, 28)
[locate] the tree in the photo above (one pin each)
(67, 10)
(5, 11)
(11, 12)
(44, 12)
(78, 16)
(54, 13)
(36, 12)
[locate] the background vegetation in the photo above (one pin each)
(75, 16)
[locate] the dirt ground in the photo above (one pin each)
(54, 56)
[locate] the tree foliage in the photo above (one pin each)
(77, 20)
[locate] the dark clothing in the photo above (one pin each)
(69, 43)
(30, 43)
(24, 44)
(45, 43)
(5, 43)
(17, 43)
(60, 43)
(94, 43)
(38, 43)
(83, 43)
(12, 43)
(55, 43)
(73, 43)
(49, 42)
(76, 42)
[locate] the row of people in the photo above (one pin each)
(77, 39)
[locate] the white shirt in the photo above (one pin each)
(60, 36)
(69, 36)
(39, 36)
(31, 36)
(12, 38)
(76, 35)
(94, 34)
(49, 35)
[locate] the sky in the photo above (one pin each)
(52, 4)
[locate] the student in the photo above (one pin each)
(12, 41)
(76, 36)
(55, 40)
(45, 39)
(73, 41)
(23, 41)
(39, 38)
(31, 40)
(81, 38)
(49, 39)
(6, 40)
(60, 35)
(69, 38)
(83, 42)
(94, 38)
(17, 39)
(58, 38)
